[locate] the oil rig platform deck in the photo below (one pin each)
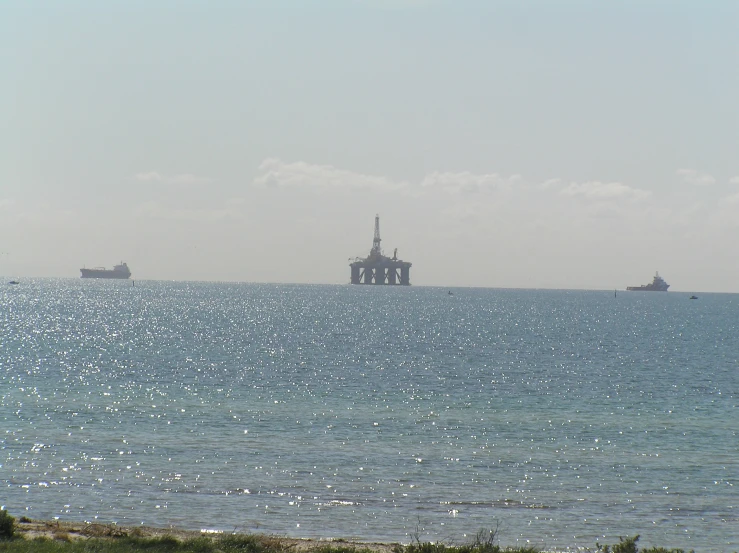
(377, 268)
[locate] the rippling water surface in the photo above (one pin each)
(560, 417)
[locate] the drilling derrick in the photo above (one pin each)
(379, 269)
(376, 251)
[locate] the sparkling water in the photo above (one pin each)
(557, 418)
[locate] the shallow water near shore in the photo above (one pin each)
(561, 417)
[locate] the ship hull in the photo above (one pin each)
(99, 273)
(645, 289)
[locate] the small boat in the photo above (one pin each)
(13, 282)
(693, 297)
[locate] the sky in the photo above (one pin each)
(523, 144)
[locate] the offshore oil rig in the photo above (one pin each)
(379, 269)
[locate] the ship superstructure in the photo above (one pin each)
(377, 268)
(658, 284)
(120, 271)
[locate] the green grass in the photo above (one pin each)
(166, 544)
(238, 543)
(628, 545)
(109, 539)
(484, 542)
(128, 544)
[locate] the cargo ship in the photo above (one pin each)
(658, 284)
(119, 271)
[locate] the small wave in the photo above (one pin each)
(501, 503)
(338, 503)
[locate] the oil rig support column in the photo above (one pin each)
(355, 274)
(405, 275)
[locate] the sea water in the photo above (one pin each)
(557, 418)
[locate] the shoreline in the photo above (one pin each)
(125, 539)
(70, 530)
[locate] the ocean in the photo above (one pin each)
(556, 418)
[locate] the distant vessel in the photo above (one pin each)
(658, 284)
(119, 271)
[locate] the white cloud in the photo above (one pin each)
(44, 214)
(153, 210)
(734, 180)
(691, 176)
(184, 178)
(461, 213)
(731, 200)
(274, 172)
(598, 190)
(551, 183)
(726, 214)
(466, 182)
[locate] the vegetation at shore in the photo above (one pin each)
(100, 538)
(7, 525)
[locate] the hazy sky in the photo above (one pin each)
(549, 144)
